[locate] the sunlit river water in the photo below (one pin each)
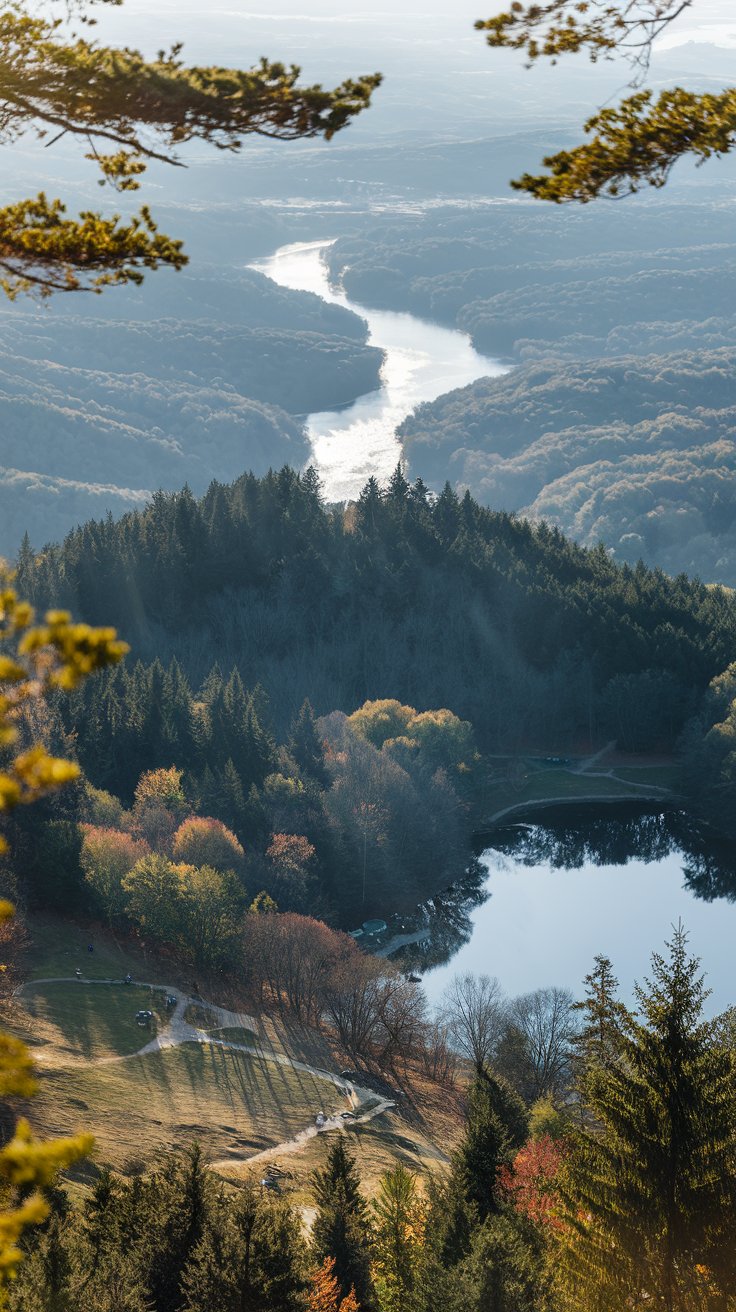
(422, 361)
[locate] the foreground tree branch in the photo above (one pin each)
(54, 82)
(567, 27)
(637, 142)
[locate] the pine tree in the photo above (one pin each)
(228, 799)
(397, 492)
(503, 1271)
(45, 1283)
(399, 1223)
(278, 1261)
(257, 754)
(100, 1216)
(650, 1190)
(216, 1275)
(446, 514)
(369, 508)
(493, 1130)
(604, 1017)
(306, 746)
(340, 1230)
(181, 1210)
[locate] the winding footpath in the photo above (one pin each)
(364, 1104)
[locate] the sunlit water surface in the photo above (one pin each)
(422, 361)
(544, 920)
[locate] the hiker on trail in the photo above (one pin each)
(78, 973)
(90, 947)
(128, 979)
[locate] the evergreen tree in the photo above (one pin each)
(494, 1129)
(180, 1206)
(278, 1261)
(132, 111)
(45, 1283)
(399, 1221)
(604, 1017)
(503, 1271)
(305, 745)
(101, 1217)
(397, 492)
(509, 1107)
(340, 1228)
(650, 1190)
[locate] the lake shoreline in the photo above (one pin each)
(665, 801)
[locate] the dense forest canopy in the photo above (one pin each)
(431, 599)
(617, 423)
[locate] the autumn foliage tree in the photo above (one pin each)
(290, 859)
(324, 1293)
(201, 840)
(529, 1183)
(159, 806)
(162, 787)
(107, 856)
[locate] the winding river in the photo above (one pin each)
(422, 361)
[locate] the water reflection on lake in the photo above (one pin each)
(552, 894)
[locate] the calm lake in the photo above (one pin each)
(422, 362)
(586, 880)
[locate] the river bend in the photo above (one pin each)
(422, 362)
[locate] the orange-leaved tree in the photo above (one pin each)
(324, 1293)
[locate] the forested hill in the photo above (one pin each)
(634, 451)
(435, 601)
(189, 379)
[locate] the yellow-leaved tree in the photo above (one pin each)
(35, 659)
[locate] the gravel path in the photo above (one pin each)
(363, 1102)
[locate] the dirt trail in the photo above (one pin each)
(362, 1102)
